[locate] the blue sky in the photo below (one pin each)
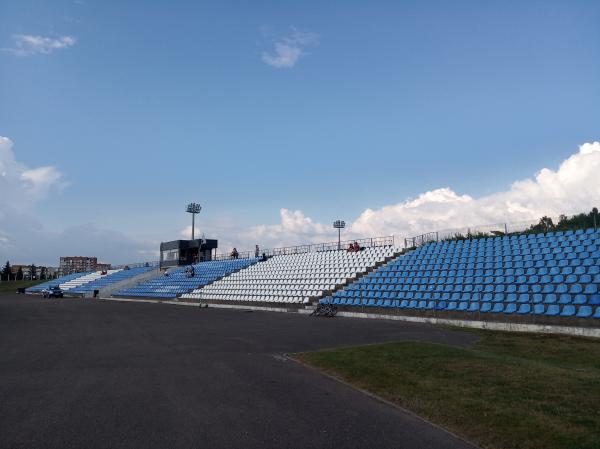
(142, 107)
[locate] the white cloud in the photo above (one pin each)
(289, 49)
(27, 44)
(186, 233)
(572, 188)
(23, 239)
(294, 229)
(20, 185)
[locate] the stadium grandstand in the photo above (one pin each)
(294, 278)
(183, 280)
(532, 277)
(556, 274)
(82, 283)
(62, 281)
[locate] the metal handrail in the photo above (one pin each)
(315, 247)
(490, 230)
(153, 263)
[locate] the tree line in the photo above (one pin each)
(589, 220)
(7, 275)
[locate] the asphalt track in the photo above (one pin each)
(104, 374)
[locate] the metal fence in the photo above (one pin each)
(316, 247)
(154, 263)
(470, 232)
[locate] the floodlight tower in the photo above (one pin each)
(193, 208)
(339, 225)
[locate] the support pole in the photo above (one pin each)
(193, 224)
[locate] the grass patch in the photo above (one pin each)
(12, 286)
(506, 391)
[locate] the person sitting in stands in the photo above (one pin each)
(350, 248)
(192, 271)
(234, 253)
(263, 258)
(356, 247)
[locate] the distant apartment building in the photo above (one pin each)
(102, 266)
(80, 264)
(41, 272)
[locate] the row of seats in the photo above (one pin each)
(78, 282)
(112, 277)
(405, 285)
(561, 298)
(542, 238)
(177, 282)
(568, 310)
(294, 278)
(561, 281)
(55, 282)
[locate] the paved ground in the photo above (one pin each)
(100, 374)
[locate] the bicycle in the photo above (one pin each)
(327, 309)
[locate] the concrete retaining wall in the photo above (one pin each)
(489, 325)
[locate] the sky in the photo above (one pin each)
(280, 117)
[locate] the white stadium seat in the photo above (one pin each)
(293, 278)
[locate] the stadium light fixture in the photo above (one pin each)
(193, 208)
(339, 225)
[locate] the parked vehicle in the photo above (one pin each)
(53, 292)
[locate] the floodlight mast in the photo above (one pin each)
(193, 208)
(339, 225)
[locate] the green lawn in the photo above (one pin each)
(12, 286)
(507, 391)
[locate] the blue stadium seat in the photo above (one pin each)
(510, 308)
(524, 309)
(552, 310)
(594, 300)
(584, 312)
(565, 298)
(568, 310)
(539, 309)
(498, 308)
